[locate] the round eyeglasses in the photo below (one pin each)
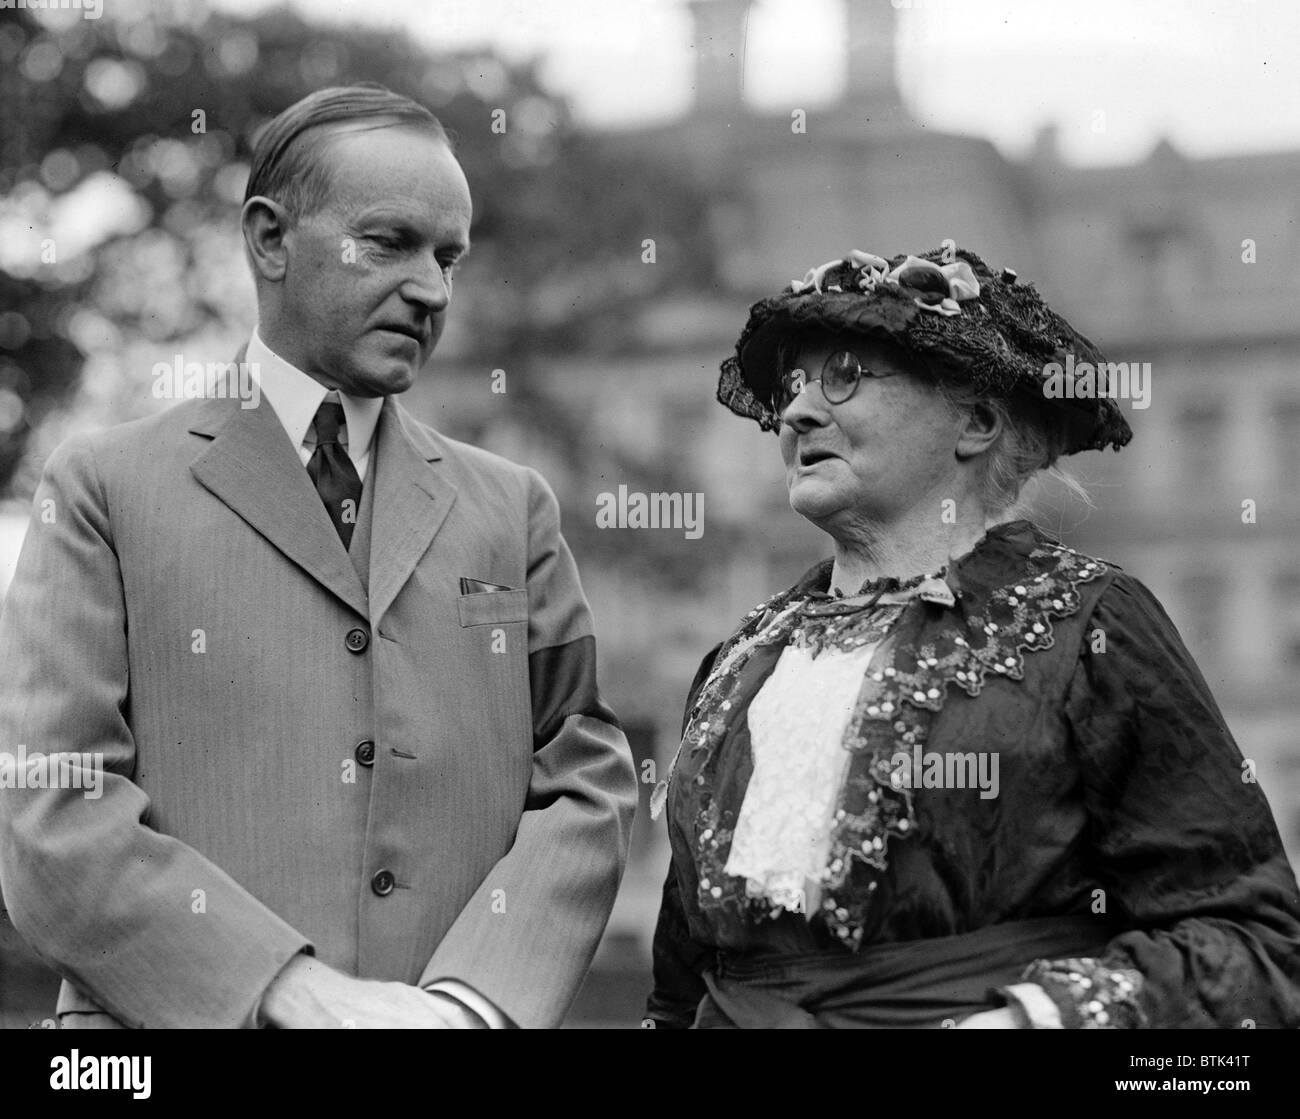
(840, 376)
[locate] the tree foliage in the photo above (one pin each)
(123, 158)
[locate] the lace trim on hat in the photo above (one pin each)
(985, 328)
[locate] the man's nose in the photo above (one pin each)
(429, 287)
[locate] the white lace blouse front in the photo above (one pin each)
(797, 724)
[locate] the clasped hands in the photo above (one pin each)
(308, 994)
(1000, 1019)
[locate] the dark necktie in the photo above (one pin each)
(332, 471)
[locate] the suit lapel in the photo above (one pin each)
(411, 502)
(251, 466)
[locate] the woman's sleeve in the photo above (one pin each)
(678, 964)
(1183, 843)
(678, 959)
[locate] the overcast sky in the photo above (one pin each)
(1216, 77)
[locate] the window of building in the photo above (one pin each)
(1287, 798)
(1200, 437)
(1288, 615)
(1201, 620)
(1286, 444)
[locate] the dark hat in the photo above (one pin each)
(947, 309)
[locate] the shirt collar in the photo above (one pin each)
(295, 396)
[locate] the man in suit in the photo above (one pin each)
(335, 670)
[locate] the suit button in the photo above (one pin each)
(383, 882)
(356, 640)
(366, 752)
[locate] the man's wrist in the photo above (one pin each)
(1032, 1006)
(284, 994)
(486, 1014)
(468, 1019)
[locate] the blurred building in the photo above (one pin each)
(1180, 263)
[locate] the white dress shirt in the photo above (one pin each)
(295, 396)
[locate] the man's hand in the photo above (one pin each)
(1000, 1019)
(308, 994)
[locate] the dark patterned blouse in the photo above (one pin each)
(1129, 868)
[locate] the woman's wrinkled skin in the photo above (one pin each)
(892, 474)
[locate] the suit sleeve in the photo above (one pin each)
(107, 902)
(527, 937)
(1184, 845)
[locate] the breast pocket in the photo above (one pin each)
(493, 608)
(494, 650)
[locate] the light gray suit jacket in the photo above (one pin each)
(184, 607)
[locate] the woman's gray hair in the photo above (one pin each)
(1030, 443)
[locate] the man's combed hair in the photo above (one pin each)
(288, 164)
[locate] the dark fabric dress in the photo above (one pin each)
(1129, 864)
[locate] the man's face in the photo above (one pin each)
(368, 277)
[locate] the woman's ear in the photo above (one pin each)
(264, 223)
(981, 426)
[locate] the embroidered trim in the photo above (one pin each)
(732, 655)
(900, 698)
(901, 694)
(1089, 994)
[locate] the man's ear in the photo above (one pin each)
(980, 428)
(264, 223)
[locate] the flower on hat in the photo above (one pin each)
(939, 288)
(998, 343)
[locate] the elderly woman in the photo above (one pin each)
(958, 774)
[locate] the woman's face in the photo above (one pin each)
(886, 450)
